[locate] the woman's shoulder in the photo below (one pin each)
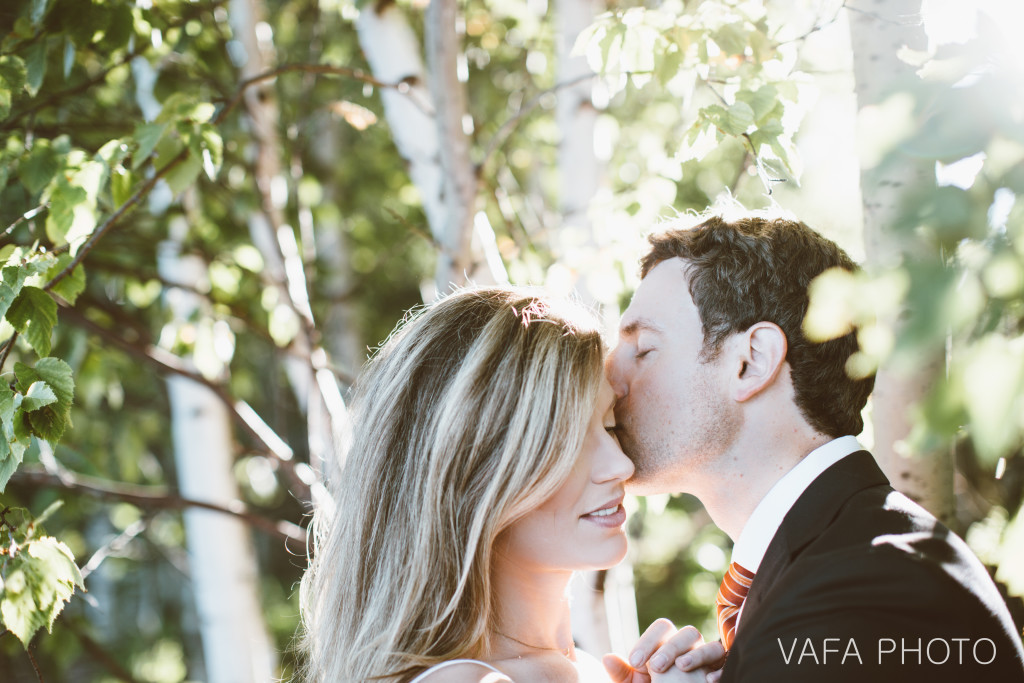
(461, 671)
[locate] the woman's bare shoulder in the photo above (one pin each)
(463, 672)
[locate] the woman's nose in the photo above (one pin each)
(613, 464)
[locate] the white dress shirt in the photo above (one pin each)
(760, 529)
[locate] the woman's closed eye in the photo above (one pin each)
(640, 353)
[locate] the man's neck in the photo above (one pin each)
(735, 483)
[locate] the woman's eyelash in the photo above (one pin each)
(641, 354)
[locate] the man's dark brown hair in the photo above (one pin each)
(752, 270)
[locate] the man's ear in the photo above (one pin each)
(762, 351)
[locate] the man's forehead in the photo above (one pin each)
(634, 324)
(656, 301)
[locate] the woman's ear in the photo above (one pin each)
(762, 351)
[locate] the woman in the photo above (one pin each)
(482, 472)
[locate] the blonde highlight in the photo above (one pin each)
(469, 416)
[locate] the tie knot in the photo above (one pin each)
(730, 598)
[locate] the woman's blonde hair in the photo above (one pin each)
(470, 415)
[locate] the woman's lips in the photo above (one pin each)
(609, 517)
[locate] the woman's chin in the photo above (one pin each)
(610, 556)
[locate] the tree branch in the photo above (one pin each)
(152, 497)
(167, 362)
(27, 216)
(7, 350)
(112, 220)
(100, 654)
(115, 545)
(506, 129)
(817, 26)
(81, 87)
(326, 69)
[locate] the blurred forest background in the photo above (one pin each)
(211, 210)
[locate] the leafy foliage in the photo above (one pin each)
(724, 47)
(39, 577)
(125, 128)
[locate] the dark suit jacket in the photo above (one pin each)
(861, 584)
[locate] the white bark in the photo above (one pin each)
(326, 420)
(878, 30)
(427, 115)
(393, 53)
(455, 259)
(222, 563)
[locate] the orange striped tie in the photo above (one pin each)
(730, 598)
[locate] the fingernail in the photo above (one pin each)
(685, 662)
(659, 663)
(636, 659)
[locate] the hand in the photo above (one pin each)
(661, 646)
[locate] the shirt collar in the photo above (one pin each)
(768, 515)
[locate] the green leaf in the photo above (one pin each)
(12, 447)
(668, 66)
(34, 313)
(71, 286)
(5, 101)
(35, 67)
(13, 278)
(741, 117)
(113, 152)
(39, 168)
(35, 63)
(185, 173)
(49, 422)
(64, 200)
(39, 394)
(213, 150)
(182, 107)
(762, 101)
(12, 72)
(38, 11)
(732, 38)
(43, 577)
(147, 136)
(12, 80)
(120, 185)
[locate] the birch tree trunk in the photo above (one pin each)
(222, 563)
(443, 45)
(430, 124)
(878, 30)
(309, 374)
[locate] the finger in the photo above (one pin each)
(711, 655)
(714, 676)
(618, 670)
(681, 642)
(656, 634)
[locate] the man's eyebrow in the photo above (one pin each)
(640, 324)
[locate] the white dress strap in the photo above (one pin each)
(452, 662)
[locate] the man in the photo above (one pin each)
(834, 576)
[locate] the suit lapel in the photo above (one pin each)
(813, 511)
